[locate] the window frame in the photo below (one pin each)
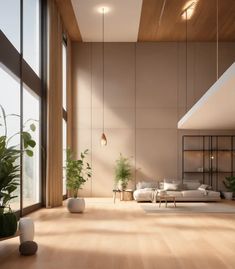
(13, 60)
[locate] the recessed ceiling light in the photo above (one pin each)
(103, 9)
(189, 9)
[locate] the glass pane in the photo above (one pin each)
(31, 165)
(10, 101)
(64, 154)
(31, 34)
(64, 59)
(10, 21)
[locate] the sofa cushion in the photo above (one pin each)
(147, 184)
(143, 195)
(172, 186)
(213, 194)
(193, 193)
(148, 189)
(204, 187)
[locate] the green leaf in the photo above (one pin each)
(31, 143)
(26, 136)
(29, 152)
(32, 127)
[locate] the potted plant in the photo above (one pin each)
(10, 172)
(122, 172)
(229, 183)
(77, 173)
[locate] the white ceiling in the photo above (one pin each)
(121, 22)
(216, 108)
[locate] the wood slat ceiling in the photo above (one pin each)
(201, 26)
(67, 13)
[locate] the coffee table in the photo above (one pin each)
(166, 198)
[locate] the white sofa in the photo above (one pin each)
(191, 192)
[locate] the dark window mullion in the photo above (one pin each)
(9, 56)
(21, 107)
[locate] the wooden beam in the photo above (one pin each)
(69, 19)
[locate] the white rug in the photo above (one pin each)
(181, 207)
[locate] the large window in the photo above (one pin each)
(31, 34)
(10, 86)
(10, 21)
(31, 167)
(64, 72)
(20, 89)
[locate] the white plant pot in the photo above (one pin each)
(228, 195)
(26, 227)
(76, 205)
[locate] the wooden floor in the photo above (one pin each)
(124, 236)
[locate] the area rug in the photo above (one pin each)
(218, 207)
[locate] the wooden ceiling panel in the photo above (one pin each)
(70, 22)
(161, 20)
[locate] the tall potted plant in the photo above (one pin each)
(77, 173)
(229, 183)
(10, 172)
(122, 172)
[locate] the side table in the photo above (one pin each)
(114, 194)
(127, 195)
(166, 198)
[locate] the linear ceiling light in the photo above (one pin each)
(189, 10)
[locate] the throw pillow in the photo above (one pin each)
(204, 187)
(147, 184)
(172, 186)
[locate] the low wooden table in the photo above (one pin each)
(127, 195)
(114, 194)
(166, 198)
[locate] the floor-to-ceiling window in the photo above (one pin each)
(64, 72)
(9, 88)
(20, 88)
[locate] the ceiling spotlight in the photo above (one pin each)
(189, 10)
(103, 9)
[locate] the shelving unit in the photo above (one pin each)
(208, 158)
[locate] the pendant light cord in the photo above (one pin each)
(91, 104)
(217, 39)
(135, 108)
(186, 60)
(103, 61)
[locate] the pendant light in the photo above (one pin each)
(103, 140)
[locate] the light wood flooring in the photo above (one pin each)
(123, 236)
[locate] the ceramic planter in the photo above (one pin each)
(76, 205)
(228, 195)
(8, 224)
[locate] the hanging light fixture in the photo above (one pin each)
(185, 13)
(103, 140)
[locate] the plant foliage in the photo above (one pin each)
(122, 171)
(229, 183)
(77, 172)
(9, 160)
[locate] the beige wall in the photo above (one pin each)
(141, 123)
